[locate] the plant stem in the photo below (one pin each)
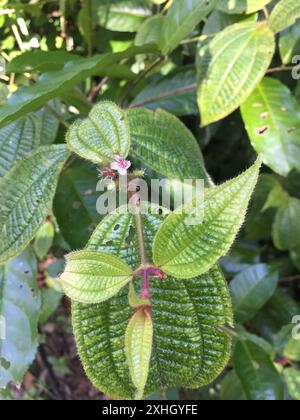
(290, 278)
(281, 68)
(141, 237)
(228, 330)
(266, 12)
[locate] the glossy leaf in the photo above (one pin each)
(181, 19)
(122, 16)
(292, 380)
(19, 311)
(189, 348)
(284, 14)
(231, 388)
(251, 289)
(186, 249)
(43, 240)
(27, 194)
(138, 348)
(289, 43)
(53, 84)
(286, 228)
(102, 136)
(77, 217)
(93, 277)
(17, 140)
(257, 373)
(161, 142)
(271, 115)
(242, 6)
(231, 67)
(150, 31)
(175, 93)
(49, 123)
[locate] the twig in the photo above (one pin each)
(281, 68)
(290, 278)
(96, 89)
(176, 91)
(228, 330)
(266, 12)
(57, 116)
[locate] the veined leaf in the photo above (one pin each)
(49, 123)
(231, 388)
(231, 67)
(19, 313)
(161, 142)
(284, 14)
(150, 31)
(181, 19)
(175, 93)
(271, 116)
(186, 249)
(53, 84)
(93, 277)
(27, 191)
(102, 136)
(138, 348)
(189, 349)
(292, 380)
(251, 289)
(122, 15)
(17, 140)
(43, 240)
(242, 6)
(257, 373)
(286, 227)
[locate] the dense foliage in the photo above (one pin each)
(162, 305)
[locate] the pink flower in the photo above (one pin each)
(121, 165)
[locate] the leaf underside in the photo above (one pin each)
(188, 349)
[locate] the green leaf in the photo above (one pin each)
(271, 115)
(231, 67)
(40, 61)
(19, 312)
(49, 124)
(286, 228)
(27, 193)
(161, 142)
(50, 301)
(150, 31)
(54, 83)
(242, 6)
(292, 380)
(189, 349)
(186, 250)
(251, 289)
(175, 93)
(292, 350)
(17, 140)
(93, 277)
(77, 217)
(181, 19)
(43, 240)
(122, 15)
(102, 136)
(257, 373)
(231, 388)
(138, 348)
(4, 92)
(284, 14)
(289, 43)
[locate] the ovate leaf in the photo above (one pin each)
(19, 313)
(122, 16)
(102, 136)
(43, 240)
(242, 6)
(286, 227)
(190, 350)
(27, 191)
(231, 67)
(181, 19)
(186, 249)
(161, 142)
(251, 289)
(289, 43)
(17, 140)
(150, 31)
(93, 277)
(49, 123)
(271, 116)
(292, 380)
(257, 373)
(284, 14)
(138, 348)
(231, 388)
